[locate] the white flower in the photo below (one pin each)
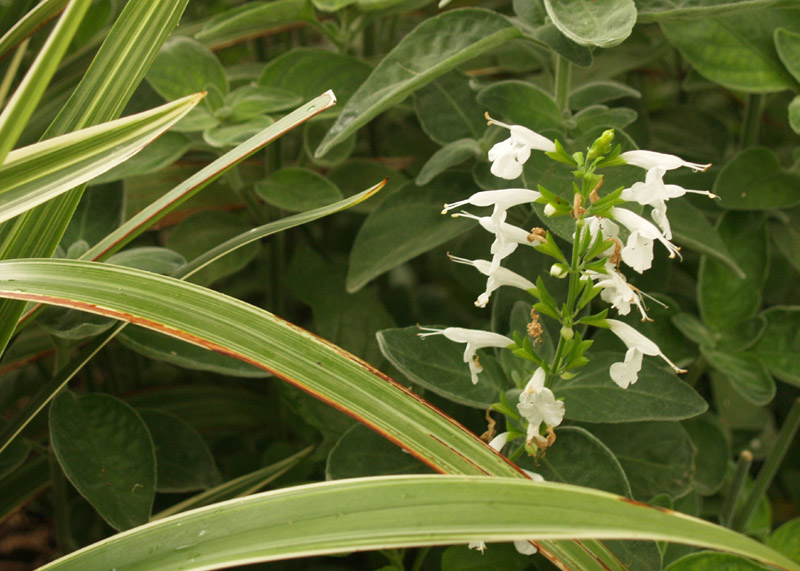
(653, 192)
(502, 200)
(617, 291)
(651, 159)
(538, 404)
(475, 339)
(499, 441)
(638, 251)
(506, 237)
(626, 373)
(524, 547)
(477, 544)
(499, 277)
(508, 156)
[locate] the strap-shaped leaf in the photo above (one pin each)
(36, 173)
(28, 24)
(397, 511)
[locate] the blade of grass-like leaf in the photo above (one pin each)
(237, 329)
(11, 71)
(117, 69)
(42, 13)
(37, 173)
(22, 485)
(393, 512)
(11, 429)
(238, 487)
(24, 100)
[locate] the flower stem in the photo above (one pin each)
(563, 77)
(770, 467)
(728, 508)
(751, 120)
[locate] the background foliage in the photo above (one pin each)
(151, 425)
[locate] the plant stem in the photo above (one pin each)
(563, 76)
(728, 508)
(751, 120)
(422, 552)
(770, 467)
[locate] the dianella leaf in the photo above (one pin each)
(399, 511)
(28, 24)
(433, 48)
(39, 172)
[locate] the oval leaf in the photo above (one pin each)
(106, 452)
(588, 23)
(779, 347)
(185, 66)
(753, 180)
(297, 189)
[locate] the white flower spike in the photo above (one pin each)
(502, 200)
(651, 159)
(475, 339)
(638, 251)
(499, 277)
(508, 156)
(627, 372)
(538, 404)
(617, 291)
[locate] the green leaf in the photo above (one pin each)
(713, 446)
(691, 228)
(779, 346)
(736, 50)
(161, 153)
(655, 10)
(404, 225)
(252, 19)
(37, 17)
(349, 320)
(748, 375)
(309, 71)
(183, 460)
(658, 395)
(521, 103)
(588, 23)
(600, 92)
(359, 173)
(13, 457)
(664, 469)
(99, 212)
(297, 189)
(22, 485)
(185, 66)
(204, 230)
(597, 118)
(375, 513)
(20, 106)
(794, 114)
(438, 364)
(106, 452)
(250, 101)
(709, 561)
(447, 109)
(231, 134)
(149, 258)
(170, 350)
(753, 180)
(434, 47)
(725, 299)
(579, 458)
(552, 37)
(39, 172)
(361, 452)
(448, 156)
(788, 45)
(786, 539)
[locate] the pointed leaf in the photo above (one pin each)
(430, 50)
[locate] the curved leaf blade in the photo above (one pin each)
(37, 173)
(388, 512)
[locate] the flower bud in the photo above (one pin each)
(559, 271)
(601, 146)
(567, 333)
(549, 209)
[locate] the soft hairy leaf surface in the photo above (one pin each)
(588, 23)
(779, 346)
(753, 180)
(447, 109)
(521, 103)
(654, 10)
(658, 395)
(433, 48)
(297, 189)
(713, 446)
(787, 43)
(106, 451)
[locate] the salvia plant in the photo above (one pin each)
(386, 284)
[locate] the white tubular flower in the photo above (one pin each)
(638, 251)
(538, 404)
(499, 441)
(507, 238)
(650, 159)
(502, 200)
(499, 277)
(477, 544)
(524, 547)
(627, 372)
(617, 291)
(475, 339)
(508, 156)
(653, 192)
